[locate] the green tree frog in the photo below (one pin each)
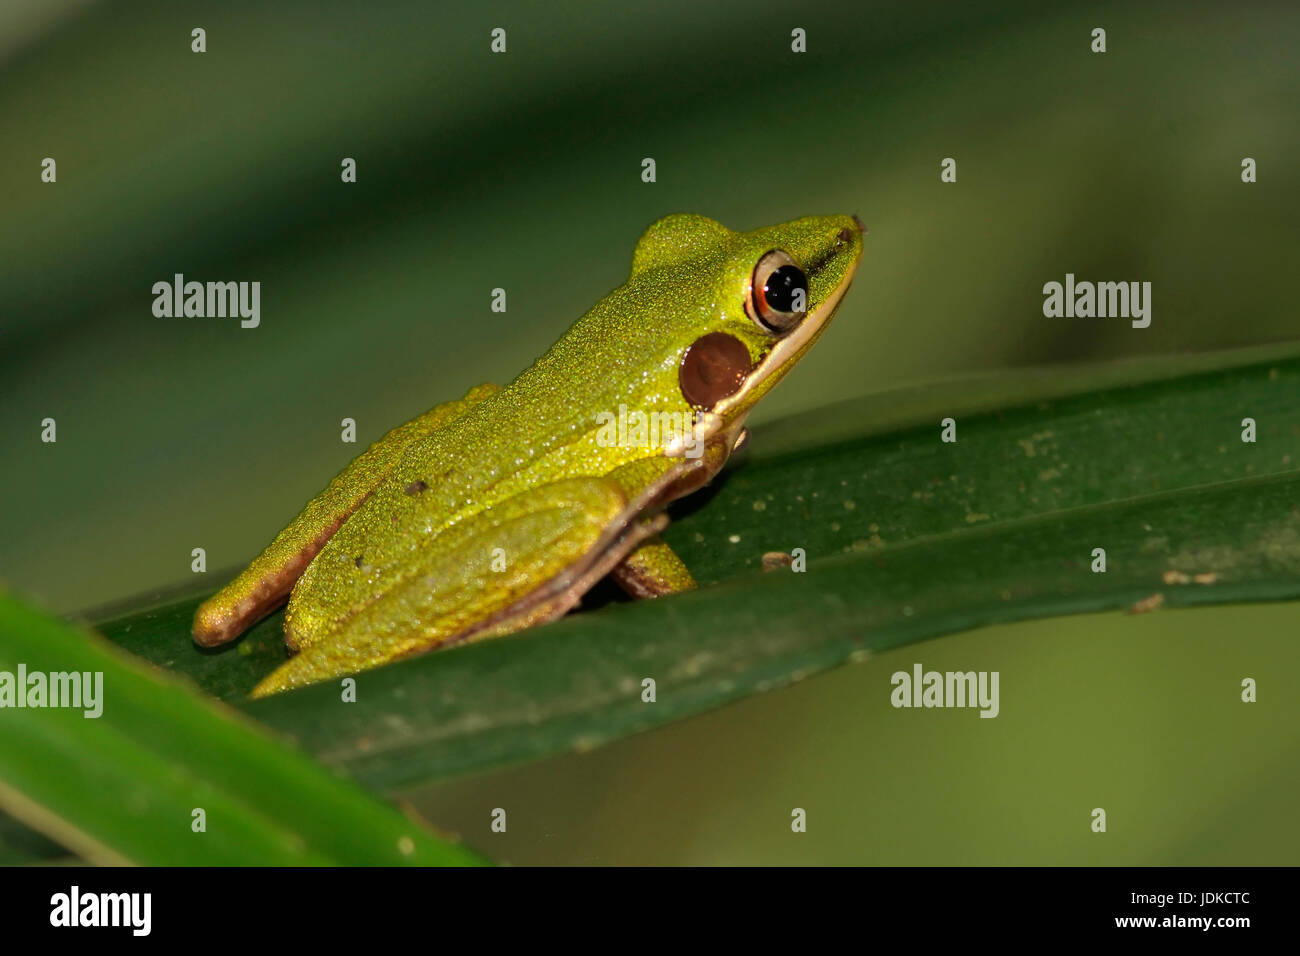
(496, 512)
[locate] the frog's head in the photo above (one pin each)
(737, 310)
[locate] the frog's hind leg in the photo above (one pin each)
(525, 561)
(568, 594)
(653, 569)
(266, 582)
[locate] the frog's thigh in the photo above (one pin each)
(653, 570)
(265, 583)
(526, 560)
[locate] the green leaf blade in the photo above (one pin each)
(121, 787)
(906, 537)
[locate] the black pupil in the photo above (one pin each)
(780, 289)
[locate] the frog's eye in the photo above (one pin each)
(778, 297)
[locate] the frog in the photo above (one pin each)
(499, 511)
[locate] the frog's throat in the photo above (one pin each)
(731, 411)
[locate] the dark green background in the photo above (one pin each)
(523, 171)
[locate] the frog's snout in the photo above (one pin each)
(846, 233)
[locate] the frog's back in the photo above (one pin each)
(511, 443)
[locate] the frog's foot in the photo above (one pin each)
(653, 570)
(262, 587)
(265, 584)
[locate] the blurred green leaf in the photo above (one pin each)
(906, 536)
(374, 291)
(121, 786)
(21, 844)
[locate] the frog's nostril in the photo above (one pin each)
(846, 234)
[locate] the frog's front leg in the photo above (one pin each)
(267, 581)
(653, 570)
